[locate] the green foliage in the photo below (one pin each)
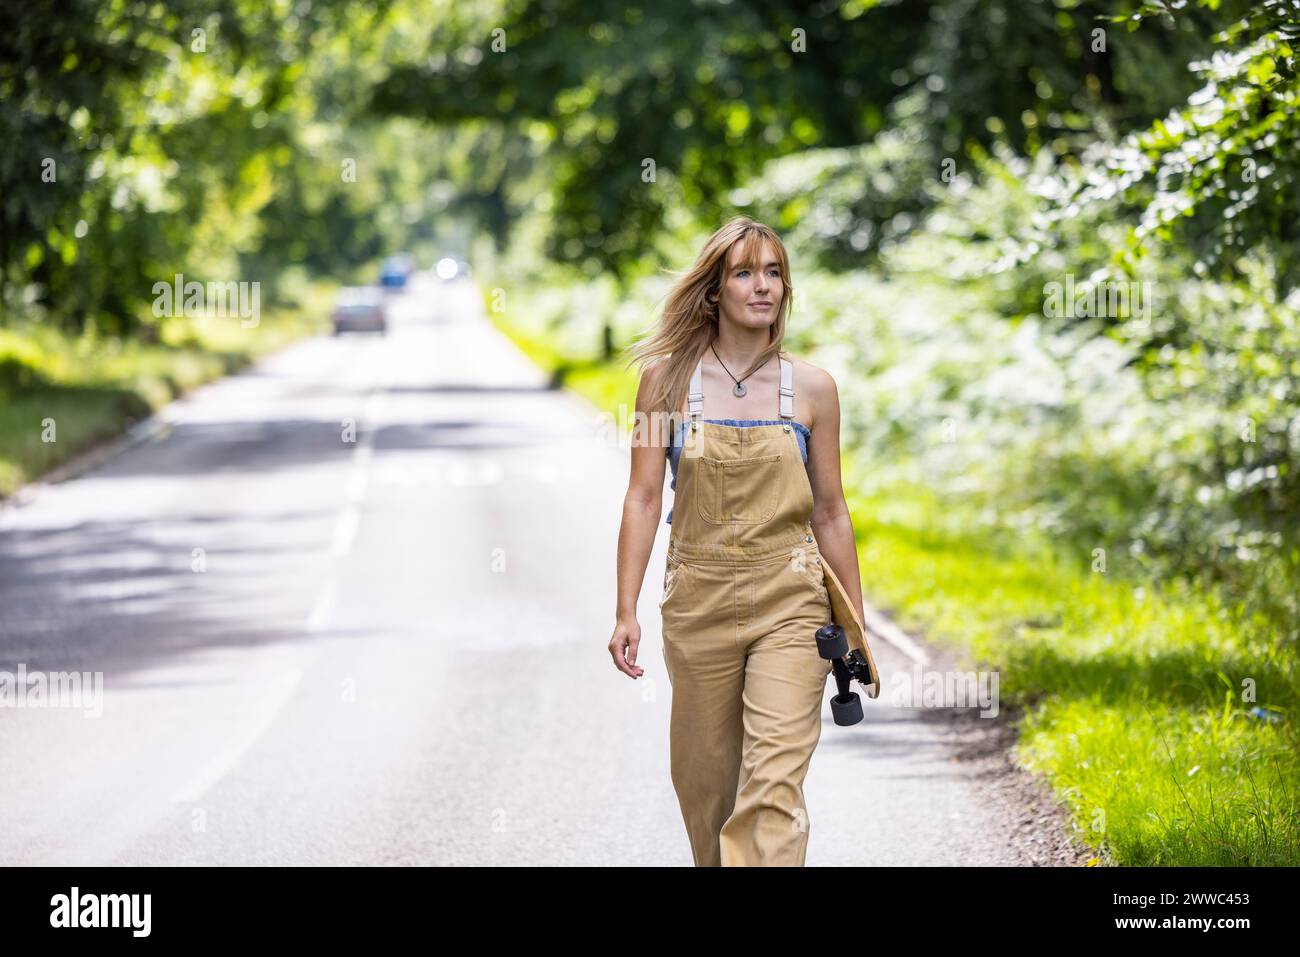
(1179, 457)
(136, 144)
(138, 141)
(711, 91)
(843, 205)
(1217, 176)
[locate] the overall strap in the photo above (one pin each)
(695, 397)
(787, 388)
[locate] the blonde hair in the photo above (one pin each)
(689, 322)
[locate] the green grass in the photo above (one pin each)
(81, 391)
(1133, 700)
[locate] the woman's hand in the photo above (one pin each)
(623, 646)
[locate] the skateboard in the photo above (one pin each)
(844, 641)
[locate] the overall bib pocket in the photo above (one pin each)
(739, 491)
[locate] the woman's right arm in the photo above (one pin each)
(636, 535)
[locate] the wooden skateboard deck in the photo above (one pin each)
(844, 615)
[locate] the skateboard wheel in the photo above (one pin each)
(846, 709)
(832, 643)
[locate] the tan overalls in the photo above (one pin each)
(743, 598)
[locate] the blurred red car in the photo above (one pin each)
(359, 309)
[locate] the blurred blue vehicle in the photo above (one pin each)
(395, 271)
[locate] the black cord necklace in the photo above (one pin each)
(739, 388)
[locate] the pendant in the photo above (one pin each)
(738, 389)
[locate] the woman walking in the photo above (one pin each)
(758, 507)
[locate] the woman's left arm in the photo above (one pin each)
(831, 521)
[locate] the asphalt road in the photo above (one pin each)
(352, 607)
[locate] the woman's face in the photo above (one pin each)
(751, 293)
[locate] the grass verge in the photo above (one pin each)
(62, 394)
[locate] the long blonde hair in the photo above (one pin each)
(690, 317)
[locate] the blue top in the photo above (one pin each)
(674, 450)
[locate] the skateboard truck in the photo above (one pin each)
(843, 640)
(846, 664)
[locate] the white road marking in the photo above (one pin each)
(878, 624)
(281, 687)
(357, 484)
(323, 608)
(285, 682)
(345, 531)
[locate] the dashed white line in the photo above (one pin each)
(357, 484)
(345, 530)
(322, 608)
